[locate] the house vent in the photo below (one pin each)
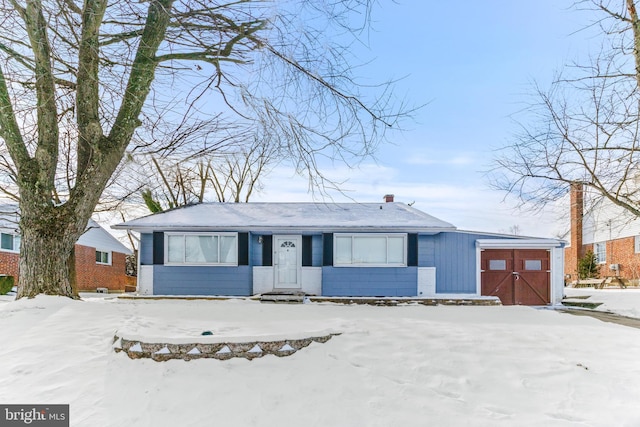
(614, 267)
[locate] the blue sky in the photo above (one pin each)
(472, 63)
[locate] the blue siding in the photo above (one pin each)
(455, 261)
(427, 251)
(255, 250)
(316, 250)
(198, 280)
(146, 249)
(369, 281)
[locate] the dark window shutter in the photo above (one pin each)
(243, 248)
(267, 251)
(158, 248)
(327, 249)
(307, 256)
(412, 250)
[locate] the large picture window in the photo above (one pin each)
(201, 248)
(372, 250)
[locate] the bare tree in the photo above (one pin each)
(229, 173)
(81, 84)
(585, 128)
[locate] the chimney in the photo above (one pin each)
(388, 198)
(577, 211)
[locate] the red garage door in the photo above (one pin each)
(516, 276)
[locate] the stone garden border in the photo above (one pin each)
(161, 352)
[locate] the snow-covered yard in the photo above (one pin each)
(391, 366)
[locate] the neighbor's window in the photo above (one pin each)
(103, 257)
(9, 242)
(636, 244)
(600, 250)
(381, 250)
(201, 248)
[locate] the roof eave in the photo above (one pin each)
(288, 229)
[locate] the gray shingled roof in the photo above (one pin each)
(282, 216)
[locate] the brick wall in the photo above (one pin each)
(576, 250)
(92, 275)
(9, 264)
(619, 251)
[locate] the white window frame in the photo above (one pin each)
(16, 243)
(184, 263)
(636, 244)
(357, 235)
(598, 252)
(109, 257)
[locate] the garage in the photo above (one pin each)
(520, 273)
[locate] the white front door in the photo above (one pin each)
(287, 256)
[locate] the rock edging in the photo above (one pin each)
(161, 352)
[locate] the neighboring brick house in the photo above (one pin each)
(611, 232)
(100, 257)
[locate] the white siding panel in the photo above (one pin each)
(312, 280)
(607, 221)
(262, 280)
(426, 282)
(145, 279)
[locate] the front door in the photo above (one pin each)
(516, 276)
(287, 256)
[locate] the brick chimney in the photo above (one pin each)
(388, 198)
(575, 251)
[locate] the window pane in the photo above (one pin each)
(6, 242)
(16, 243)
(533, 264)
(497, 264)
(176, 249)
(369, 250)
(228, 251)
(201, 249)
(395, 250)
(600, 250)
(343, 250)
(98, 256)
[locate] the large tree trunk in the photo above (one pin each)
(47, 264)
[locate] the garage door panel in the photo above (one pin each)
(516, 276)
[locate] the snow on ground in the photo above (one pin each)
(625, 302)
(392, 366)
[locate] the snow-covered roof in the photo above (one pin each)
(289, 216)
(97, 237)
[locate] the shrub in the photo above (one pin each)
(6, 283)
(588, 267)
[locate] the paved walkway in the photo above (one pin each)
(606, 317)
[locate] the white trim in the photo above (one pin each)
(203, 264)
(386, 235)
(518, 243)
